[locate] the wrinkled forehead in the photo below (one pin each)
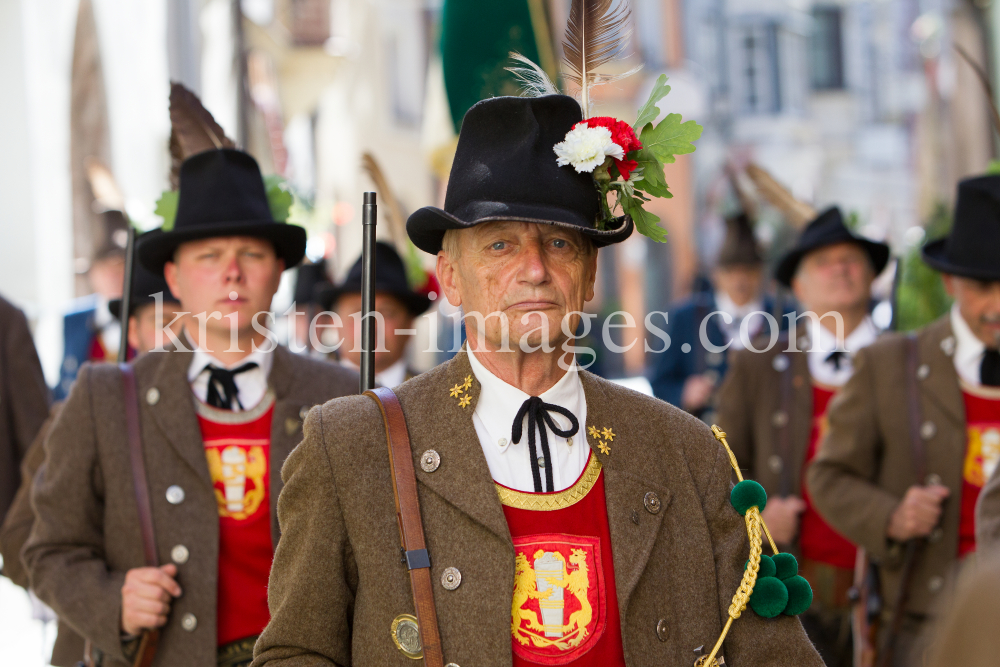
(520, 229)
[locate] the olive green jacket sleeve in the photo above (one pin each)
(843, 477)
(310, 629)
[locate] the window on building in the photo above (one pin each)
(826, 49)
(759, 69)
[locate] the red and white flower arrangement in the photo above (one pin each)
(628, 160)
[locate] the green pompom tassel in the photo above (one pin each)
(766, 568)
(769, 598)
(800, 595)
(747, 494)
(786, 566)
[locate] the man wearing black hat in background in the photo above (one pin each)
(90, 332)
(688, 374)
(773, 407)
(219, 408)
(894, 470)
(147, 289)
(398, 304)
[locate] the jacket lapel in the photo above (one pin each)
(940, 385)
(174, 411)
(463, 478)
(626, 482)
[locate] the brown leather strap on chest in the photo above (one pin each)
(411, 528)
(140, 482)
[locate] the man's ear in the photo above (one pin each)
(591, 276)
(170, 275)
(949, 284)
(448, 279)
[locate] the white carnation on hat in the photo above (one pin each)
(585, 148)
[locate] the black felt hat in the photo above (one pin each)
(145, 284)
(505, 169)
(739, 247)
(826, 230)
(390, 278)
(222, 194)
(972, 249)
(310, 281)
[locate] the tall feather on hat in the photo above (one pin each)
(626, 160)
(194, 130)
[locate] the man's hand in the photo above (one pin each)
(696, 392)
(782, 517)
(918, 514)
(146, 597)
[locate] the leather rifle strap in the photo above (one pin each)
(918, 454)
(140, 482)
(411, 528)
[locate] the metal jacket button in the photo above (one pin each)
(430, 461)
(935, 584)
(451, 578)
(153, 396)
(175, 494)
(180, 554)
(189, 622)
(662, 629)
(775, 464)
(779, 418)
(652, 503)
(927, 430)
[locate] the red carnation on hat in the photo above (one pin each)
(623, 135)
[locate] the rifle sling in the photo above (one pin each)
(411, 529)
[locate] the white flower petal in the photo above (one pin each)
(585, 148)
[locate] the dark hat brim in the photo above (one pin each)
(877, 252)
(115, 305)
(426, 226)
(415, 303)
(934, 255)
(289, 240)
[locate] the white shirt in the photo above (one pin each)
(494, 419)
(969, 350)
(823, 342)
(738, 313)
(108, 328)
(251, 384)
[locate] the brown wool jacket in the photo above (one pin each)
(14, 533)
(86, 530)
(865, 464)
(337, 582)
(24, 398)
(765, 407)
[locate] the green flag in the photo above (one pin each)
(476, 40)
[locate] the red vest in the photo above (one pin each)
(238, 448)
(817, 539)
(565, 607)
(982, 452)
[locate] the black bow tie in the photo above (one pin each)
(538, 415)
(224, 380)
(836, 358)
(989, 368)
